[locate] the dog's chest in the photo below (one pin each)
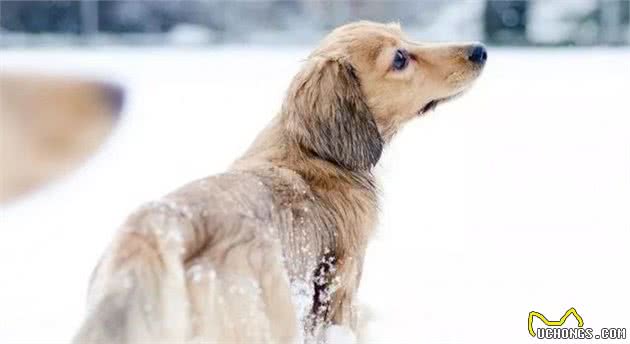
(315, 225)
(323, 237)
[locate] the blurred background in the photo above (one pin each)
(512, 198)
(499, 22)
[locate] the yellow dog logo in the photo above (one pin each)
(560, 322)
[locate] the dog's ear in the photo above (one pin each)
(328, 116)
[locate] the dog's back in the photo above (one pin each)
(204, 263)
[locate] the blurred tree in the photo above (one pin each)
(41, 16)
(505, 21)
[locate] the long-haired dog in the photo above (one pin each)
(272, 250)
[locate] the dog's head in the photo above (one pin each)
(48, 125)
(365, 81)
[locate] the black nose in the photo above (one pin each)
(478, 54)
(115, 96)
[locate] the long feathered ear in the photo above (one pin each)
(329, 118)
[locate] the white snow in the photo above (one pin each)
(336, 334)
(514, 198)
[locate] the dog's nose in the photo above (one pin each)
(115, 96)
(478, 54)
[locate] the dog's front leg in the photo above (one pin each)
(342, 310)
(342, 325)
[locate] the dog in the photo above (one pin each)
(272, 250)
(49, 124)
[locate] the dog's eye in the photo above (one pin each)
(401, 59)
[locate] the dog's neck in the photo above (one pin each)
(275, 146)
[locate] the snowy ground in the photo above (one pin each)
(514, 198)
